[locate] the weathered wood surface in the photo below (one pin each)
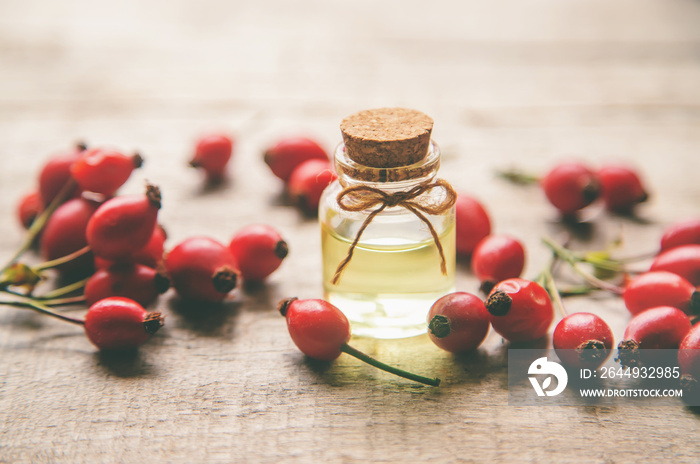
(507, 82)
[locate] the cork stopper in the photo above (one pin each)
(387, 137)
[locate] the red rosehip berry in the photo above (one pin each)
(497, 258)
(521, 310)
(284, 157)
(621, 188)
(681, 233)
(317, 328)
(472, 223)
(28, 208)
(103, 171)
(258, 250)
(123, 225)
(582, 340)
(321, 331)
(202, 269)
(118, 323)
(660, 288)
(134, 281)
(56, 173)
(662, 327)
(65, 233)
(683, 260)
(212, 154)
(458, 322)
(150, 255)
(689, 358)
(307, 183)
(570, 186)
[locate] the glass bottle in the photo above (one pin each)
(396, 271)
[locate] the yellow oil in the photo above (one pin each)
(390, 284)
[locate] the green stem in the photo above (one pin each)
(59, 292)
(518, 177)
(640, 257)
(385, 367)
(39, 223)
(605, 264)
(63, 301)
(13, 292)
(553, 291)
(38, 307)
(62, 260)
(576, 290)
(567, 256)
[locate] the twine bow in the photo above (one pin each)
(361, 198)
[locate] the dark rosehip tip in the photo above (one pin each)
(486, 286)
(689, 383)
(161, 280)
(81, 145)
(153, 194)
(628, 353)
(591, 191)
(153, 322)
(281, 249)
(695, 303)
(439, 326)
(498, 304)
(224, 279)
(194, 164)
(644, 197)
(591, 350)
(138, 160)
(267, 157)
(283, 305)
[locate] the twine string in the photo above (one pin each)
(362, 198)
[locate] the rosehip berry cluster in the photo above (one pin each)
(121, 232)
(203, 269)
(663, 302)
(304, 167)
(519, 310)
(571, 186)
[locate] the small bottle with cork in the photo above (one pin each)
(387, 224)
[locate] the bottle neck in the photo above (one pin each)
(352, 174)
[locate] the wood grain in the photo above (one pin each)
(508, 83)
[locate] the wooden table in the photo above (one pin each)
(509, 83)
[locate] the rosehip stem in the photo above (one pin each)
(640, 257)
(518, 177)
(551, 286)
(63, 301)
(39, 223)
(385, 367)
(40, 308)
(62, 260)
(62, 291)
(567, 256)
(576, 290)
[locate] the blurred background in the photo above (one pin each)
(509, 84)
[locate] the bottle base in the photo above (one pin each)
(386, 316)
